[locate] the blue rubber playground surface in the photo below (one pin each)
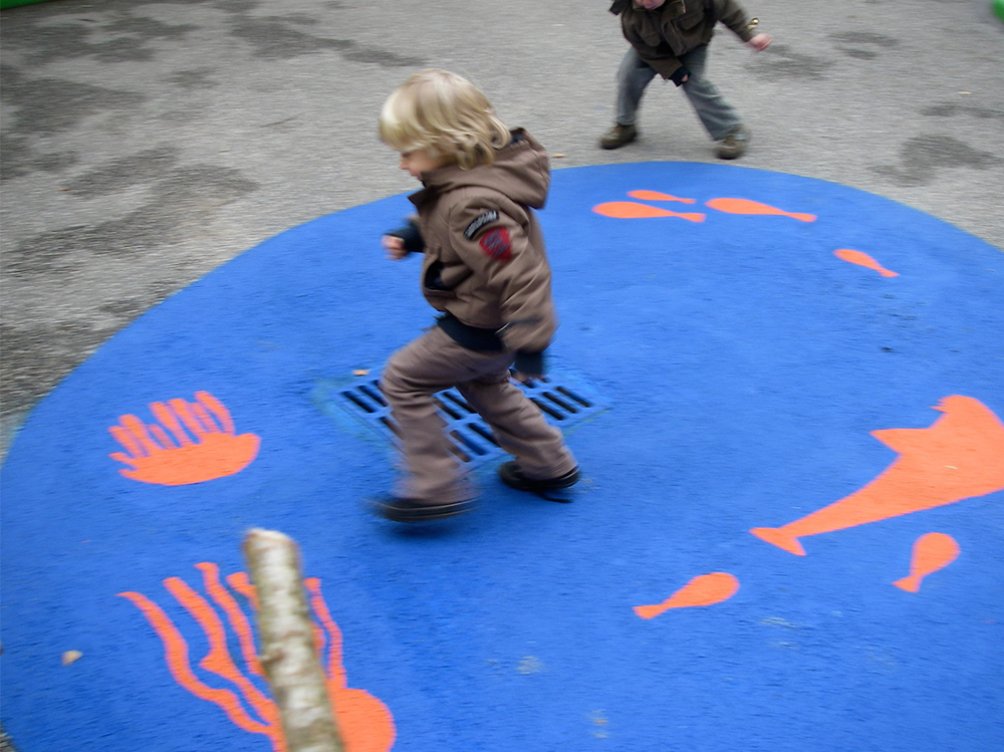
(785, 396)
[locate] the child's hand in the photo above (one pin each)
(760, 42)
(394, 247)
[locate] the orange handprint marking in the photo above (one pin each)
(931, 552)
(863, 259)
(365, 723)
(959, 457)
(748, 206)
(200, 443)
(703, 590)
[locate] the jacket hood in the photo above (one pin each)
(521, 172)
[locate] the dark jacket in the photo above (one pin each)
(485, 263)
(662, 36)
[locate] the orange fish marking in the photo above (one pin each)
(863, 259)
(632, 210)
(931, 552)
(193, 442)
(960, 456)
(703, 590)
(365, 723)
(643, 195)
(748, 206)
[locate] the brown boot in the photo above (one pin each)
(618, 136)
(734, 144)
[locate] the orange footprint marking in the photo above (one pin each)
(632, 210)
(931, 552)
(193, 442)
(643, 195)
(703, 590)
(959, 457)
(863, 259)
(365, 723)
(748, 206)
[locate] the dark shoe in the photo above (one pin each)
(414, 510)
(618, 136)
(734, 144)
(512, 475)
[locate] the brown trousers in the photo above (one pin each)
(434, 362)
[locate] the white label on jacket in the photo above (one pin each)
(480, 221)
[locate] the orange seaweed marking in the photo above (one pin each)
(960, 456)
(238, 621)
(703, 590)
(931, 552)
(632, 210)
(366, 724)
(176, 655)
(200, 443)
(217, 660)
(748, 206)
(643, 195)
(863, 259)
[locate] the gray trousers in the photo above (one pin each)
(715, 113)
(434, 362)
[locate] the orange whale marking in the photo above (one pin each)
(959, 457)
(931, 552)
(703, 590)
(365, 723)
(748, 206)
(200, 443)
(631, 210)
(863, 259)
(644, 195)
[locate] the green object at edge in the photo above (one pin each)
(4, 4)
(999, 9)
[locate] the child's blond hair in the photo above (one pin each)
(446, 115)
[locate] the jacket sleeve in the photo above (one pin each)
(496, 247)
(735, 17)
(411, 235)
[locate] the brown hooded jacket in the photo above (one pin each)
(676, 27)
(485, 264)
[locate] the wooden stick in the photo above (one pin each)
(288, 653)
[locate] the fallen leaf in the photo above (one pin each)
(71, 656)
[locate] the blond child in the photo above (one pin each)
(486, 272)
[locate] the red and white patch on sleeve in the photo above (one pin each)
(496, 244)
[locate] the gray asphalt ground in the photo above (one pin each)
(145, 142)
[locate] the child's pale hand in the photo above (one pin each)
(394, 247)
(760, 42)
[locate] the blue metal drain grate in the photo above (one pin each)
(563, 404)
